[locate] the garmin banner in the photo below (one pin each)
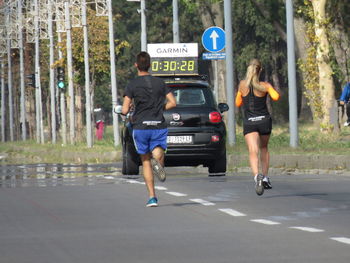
(171, 50)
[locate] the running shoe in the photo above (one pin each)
(346, 123)
(267, 183)
(259, 186)
(158, 170)
(152, 202)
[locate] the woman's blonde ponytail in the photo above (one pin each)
(252, 76)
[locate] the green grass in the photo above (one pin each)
(311, 142)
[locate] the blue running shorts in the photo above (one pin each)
(146, 140)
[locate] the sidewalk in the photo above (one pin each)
(283, 163)
(298, 163)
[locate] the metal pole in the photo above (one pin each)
(293, 114)
(87, 77)
(52, 74)
(39, 113)
(21, 70)
(62, 101)
(9, 80)
(143, 26)
(3, 109)
(113, 73)
(216, 80)
(176, 35)
(70, 75)
(229, 73)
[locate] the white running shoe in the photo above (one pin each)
(259, 186)
(347, 123)
(267, 183)
(158, 170)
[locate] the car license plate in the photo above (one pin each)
(182, 139)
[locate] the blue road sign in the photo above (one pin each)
(213, 39)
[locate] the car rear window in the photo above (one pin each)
(189, 96)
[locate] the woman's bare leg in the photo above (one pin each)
(253, 143)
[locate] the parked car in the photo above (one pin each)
(197, 132)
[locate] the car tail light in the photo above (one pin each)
(215, 117)
(215, 138)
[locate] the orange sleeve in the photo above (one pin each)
(239, 100)
(272, 92)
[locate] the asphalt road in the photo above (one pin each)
(103, 218)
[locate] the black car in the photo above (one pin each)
(197, 132)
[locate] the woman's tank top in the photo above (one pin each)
(255, 108)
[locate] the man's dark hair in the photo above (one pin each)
(143, 61)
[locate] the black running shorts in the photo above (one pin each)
(262, 127)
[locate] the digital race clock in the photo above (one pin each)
(168, 59)
(174, 66)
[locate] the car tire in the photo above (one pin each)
(218, 166)
(130, 163)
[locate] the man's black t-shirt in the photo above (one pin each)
(148, 93)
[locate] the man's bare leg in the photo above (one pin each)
(148, 174)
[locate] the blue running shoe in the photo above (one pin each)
(152, 202)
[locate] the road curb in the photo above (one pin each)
(297, 163)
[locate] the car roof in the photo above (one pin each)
(192, 80)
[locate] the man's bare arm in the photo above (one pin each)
(126, 105)
(171, 101)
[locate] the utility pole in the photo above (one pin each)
(113, 73)
(52, 73)
(229, 73)
(292, 89)
(143, 26)
(87, 77)
(39, 112)
(176, 34)
(9, 74)
(60, 27)
(70, 75)
(21, 70)
(3, 108)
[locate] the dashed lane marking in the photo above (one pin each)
(134, 182)
(202, 202)
(231, 212)
(235, 213)
(161, 188)
(265, 222)
(344, 240)
(176, 194)
(307, 229)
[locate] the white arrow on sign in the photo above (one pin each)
(214, 36)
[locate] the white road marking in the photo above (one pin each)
(265, 222)
(134, 182)
(176, 194)
(202, 202)
(307, 229)
(344, 240)
(231, 212)
(161, 188)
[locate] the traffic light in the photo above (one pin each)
(31, 80)
(60, 78)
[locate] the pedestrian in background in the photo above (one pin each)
(257, 122)
(344, 99)
(150, 130)
(99, 122)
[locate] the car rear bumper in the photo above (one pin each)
(193, 154)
